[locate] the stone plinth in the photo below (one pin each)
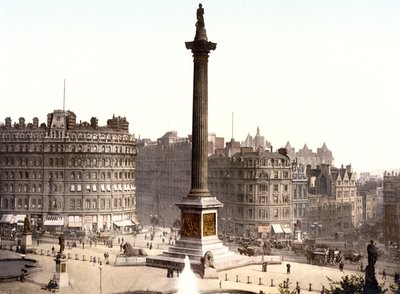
(26, 245)
(61, 275)
(129, 260)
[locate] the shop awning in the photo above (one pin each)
(287, 230)
(74, 224)
(277, 228)
(6, 218)
(54, 220)
(124, 223)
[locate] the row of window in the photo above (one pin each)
(20, 203)
(60, 148)
(265, 213)
(73, 136)
(275, 199)
(60, 175)
(6, 203)
(89, 162)
(103, 187)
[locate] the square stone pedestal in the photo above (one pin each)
(61, 275)
(26, 245)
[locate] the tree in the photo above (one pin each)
(352, 284)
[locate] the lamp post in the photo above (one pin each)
(315, 225)
(101, 268)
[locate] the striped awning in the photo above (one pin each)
(54, 220)
(124, 223)
(277, 228)
(6, 218)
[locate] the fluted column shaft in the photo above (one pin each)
(200, 49)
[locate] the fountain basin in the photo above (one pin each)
(11, 268)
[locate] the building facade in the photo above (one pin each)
(256, 190)
(163, 176)
(391, 208)
(68, 174)
(333, 200)
(300, 195)
(306, 156)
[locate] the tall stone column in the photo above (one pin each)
(200, 48)
(199, 209)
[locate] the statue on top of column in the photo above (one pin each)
(27, 225)
(200, 26)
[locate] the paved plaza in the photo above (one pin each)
(85, 275)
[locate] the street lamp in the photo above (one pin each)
(101, 268)
(315, 225)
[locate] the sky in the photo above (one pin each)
(303, 71)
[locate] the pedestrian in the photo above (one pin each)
(52, 249)
(90, 243)
(122, 239)
(119, 240)
(384, 274)
(361, 267)
(120, 247)
(341, 266)
(288, 268)
(38, 242)
(298, 289)
(151, 246)
(83, 244)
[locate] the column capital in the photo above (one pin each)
(201, 47)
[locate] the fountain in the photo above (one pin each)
(187, 282)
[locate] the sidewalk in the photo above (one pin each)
(85, 276)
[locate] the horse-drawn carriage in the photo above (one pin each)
(351, 256)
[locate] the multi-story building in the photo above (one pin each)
(256, 142)
(163, 176)
(306, 156)
(300, 195)
(256, 190)
(391, 200)
(333, 200)
(68, 174)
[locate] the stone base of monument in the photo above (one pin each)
(26, 245)
(62, 279)
(223, 259)
(208, 273)
(61, 276)
(129, 260)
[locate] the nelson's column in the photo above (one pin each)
(199, 208)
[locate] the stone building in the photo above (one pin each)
(256, 190)
(333, 200)
(68, 174)
(391, 208)
(306, 156)
(256, 142)
(163, 175)
(300, 195)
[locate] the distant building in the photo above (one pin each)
(68, 174)
(163, 175)
(306, 156)
(391, 200)
(257, 142)
(300, 195)
(333, 200)
(256, 190)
